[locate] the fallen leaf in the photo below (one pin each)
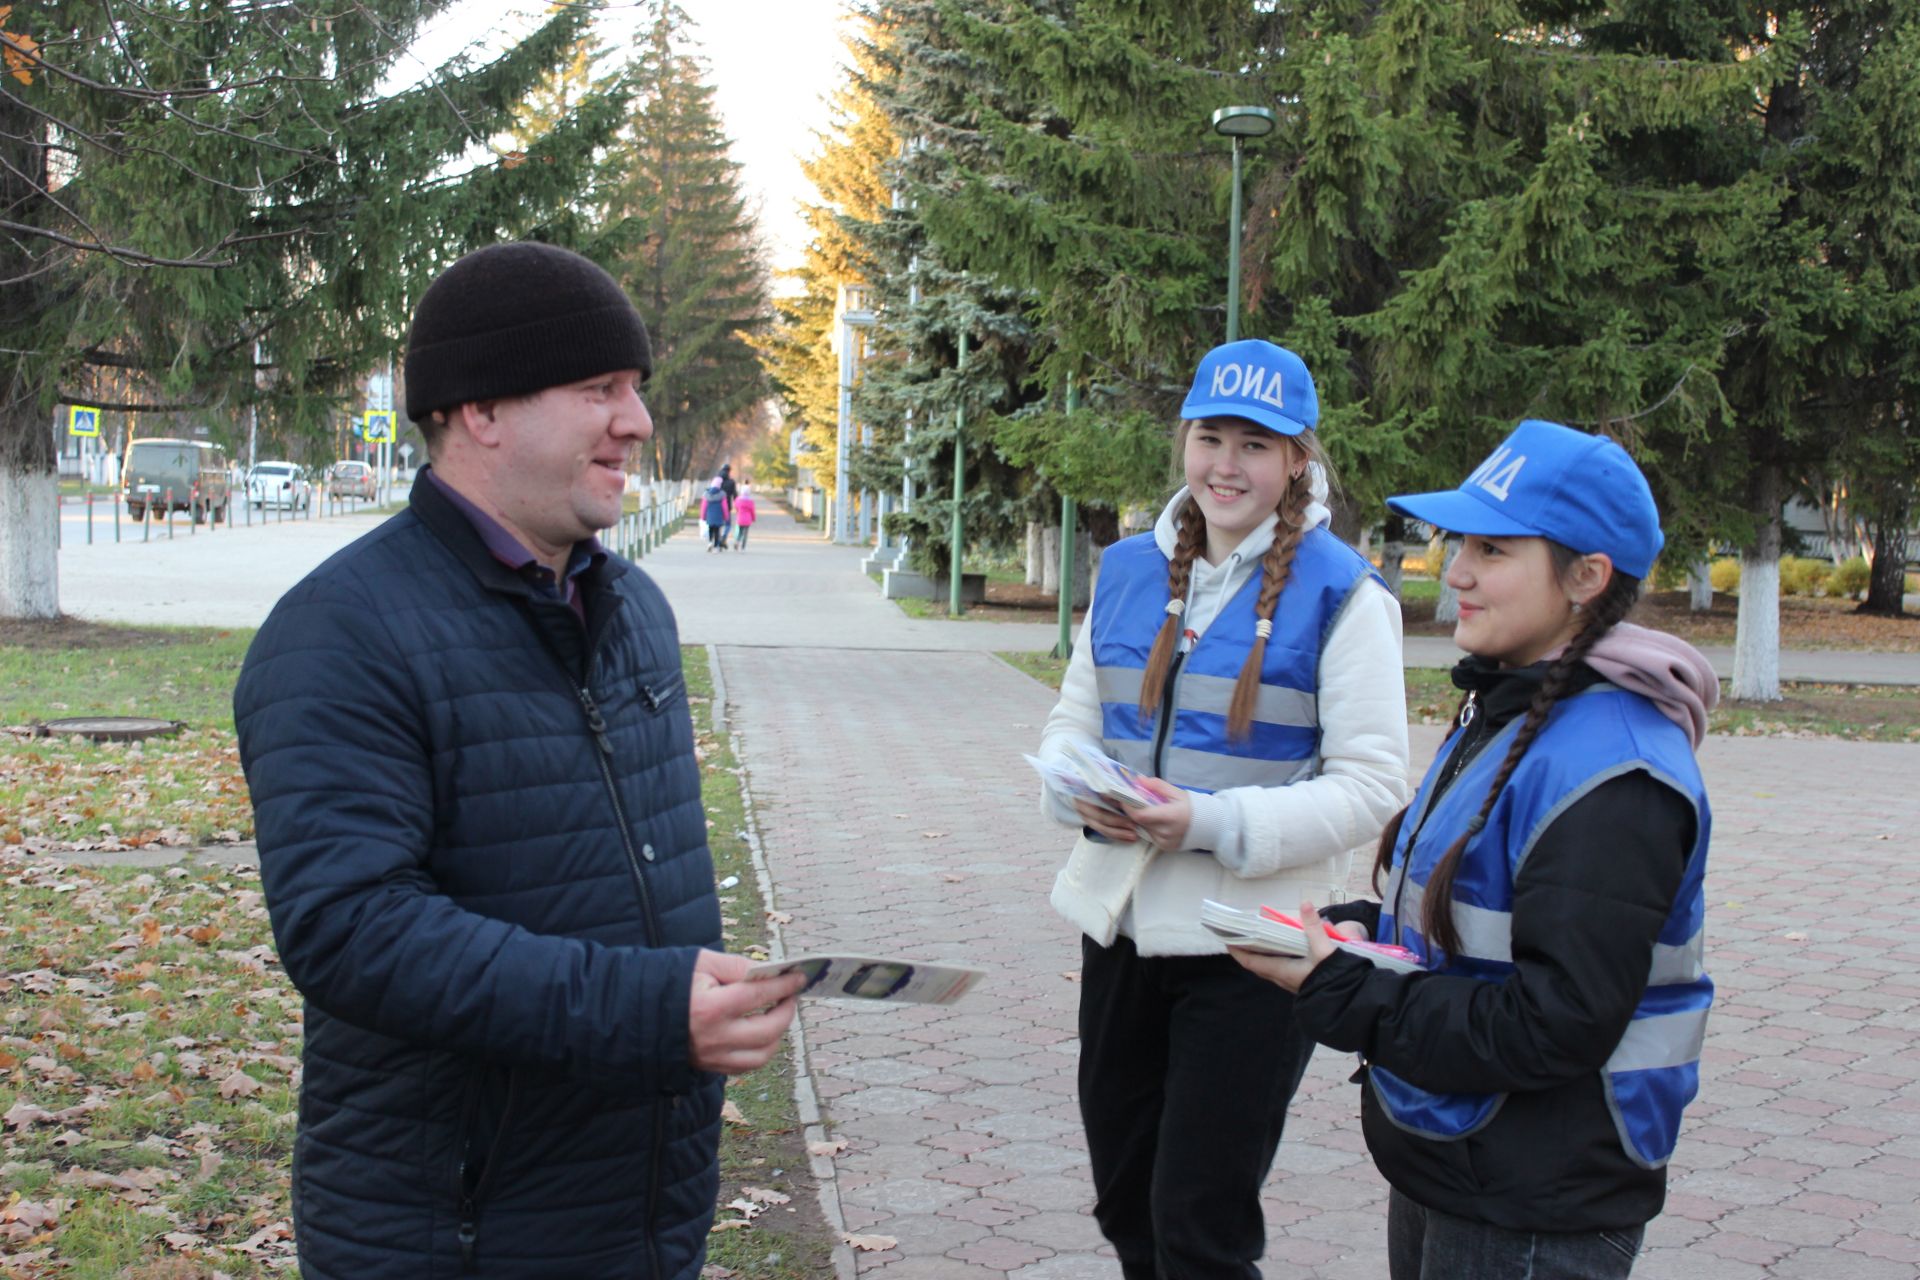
(256, 1244)
(871, 1244)
(32, 1213)
(239, 1085)
(827, 1149)
(22, 1114)
(1071, 975)
(729, 1224)
(729, 1111)
(760, 1195)
(780, 917)
(714, 1271)
(747, 1208)
(932, 835)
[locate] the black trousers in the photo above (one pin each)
(1187, 1064)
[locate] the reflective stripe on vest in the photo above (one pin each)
(1284, 738)
(1590, 738)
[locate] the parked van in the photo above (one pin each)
(193, 476)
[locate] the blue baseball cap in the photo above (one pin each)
(1267, 385)
(1550, 481)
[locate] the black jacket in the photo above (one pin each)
(484, 853)
(1588, 905)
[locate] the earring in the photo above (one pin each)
(1579, 608)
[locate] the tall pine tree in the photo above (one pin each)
(185, 181)
(686, 249)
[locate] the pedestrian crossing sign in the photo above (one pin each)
(83, 420)
(379, 424)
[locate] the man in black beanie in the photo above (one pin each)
(481, 839)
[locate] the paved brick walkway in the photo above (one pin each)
(897, 816)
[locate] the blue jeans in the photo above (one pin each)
(1425, 1244)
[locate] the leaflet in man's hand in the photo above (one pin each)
(872, 978)
(1091, 774)
(1280, 935)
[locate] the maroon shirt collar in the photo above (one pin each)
(509, 550)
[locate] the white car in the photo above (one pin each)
(279, 484)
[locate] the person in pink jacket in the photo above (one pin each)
(743, 516)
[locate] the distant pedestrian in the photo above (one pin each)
(732, 491)
(1248, 661)
(1522, 1095)
(714, 514)
(743, 515)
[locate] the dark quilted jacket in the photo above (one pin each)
(488, 873)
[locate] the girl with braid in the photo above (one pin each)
(1247, 662)
(1524, 1092)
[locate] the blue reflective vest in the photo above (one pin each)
(1598, 734)
(1195, 751)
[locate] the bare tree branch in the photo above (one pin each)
(131, 256)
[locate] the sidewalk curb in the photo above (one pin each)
(806, 1100)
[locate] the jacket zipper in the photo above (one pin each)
(597, 724)
(469, 1233)
(1164, 729)
(1469, 717)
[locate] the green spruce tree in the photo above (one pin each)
(183, 182)
(686, 249)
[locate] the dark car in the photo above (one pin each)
(165, 474)
(348, 479)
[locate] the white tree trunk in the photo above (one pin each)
(1700, 585)
(1448, 608)
(29, 559)
(1756, 641)
(1050, 560)
(1393, 556)
(1035, 553)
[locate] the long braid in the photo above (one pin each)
(1390, 834)
(1609, 608)
(1190, 536)
(1275, 567)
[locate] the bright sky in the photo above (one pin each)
(772, 63)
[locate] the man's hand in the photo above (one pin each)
(734, 1024)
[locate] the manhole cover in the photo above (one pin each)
(111, 728)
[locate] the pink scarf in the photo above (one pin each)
(1665, 669)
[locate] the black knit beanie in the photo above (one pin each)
(513, 319)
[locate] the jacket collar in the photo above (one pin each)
(452, 527)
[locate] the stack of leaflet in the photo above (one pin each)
(1275, 934)
(1091, 774)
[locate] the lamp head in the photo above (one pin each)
(1243, 122)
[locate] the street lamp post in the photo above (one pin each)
(851, 312)
(956, 527)
(1237, 123)
(1069, 510)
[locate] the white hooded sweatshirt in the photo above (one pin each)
(1269, 845)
